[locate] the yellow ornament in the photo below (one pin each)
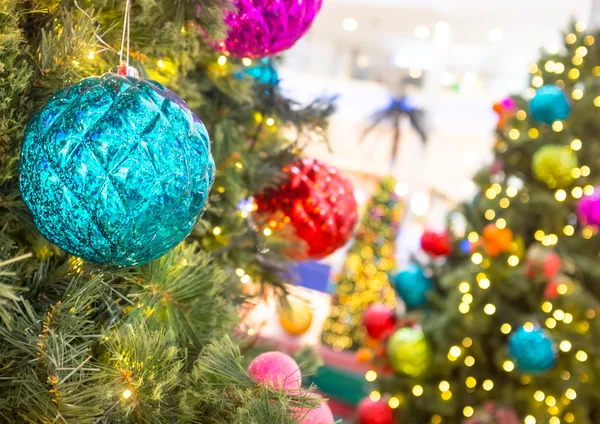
(409, 352)
(517, 247)
(296, 319)
(553, 164)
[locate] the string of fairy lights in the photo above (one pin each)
(506, 195)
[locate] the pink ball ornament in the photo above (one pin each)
(276, 370)
(491, 413)
(509, 104)
(588, 209)
(320, 415)
(261, 28)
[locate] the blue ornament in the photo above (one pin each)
(412, 286)
(549, 105)
(466, 246)
(532, 349)
(264, 72)
(116, 170)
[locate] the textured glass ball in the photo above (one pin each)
(116, 170)
(549, 105)
(588, 209)
(409, 351)
(318, 202)
(412, 285)
(379, 321)
(552, 165)
(532, 349)
(260, 28)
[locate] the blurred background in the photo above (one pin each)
(452, 58)
(444, 62)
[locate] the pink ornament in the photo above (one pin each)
(588, 209)
(370, 412)
(320, 415)
(496, 167)
(509, 104)
(276, 370)
(491, 413)
(261, 28)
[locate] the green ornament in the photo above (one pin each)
(409, 352)
(553, 164)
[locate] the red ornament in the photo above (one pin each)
(379, 321)
(436, 244)
(318, 202)
(370, 412)
(542, 263)
(551, 290)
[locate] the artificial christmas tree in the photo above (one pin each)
(82, 342)
(364, 279)
(509, 322)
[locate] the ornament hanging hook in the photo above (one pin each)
(125, 35)
(124, 68)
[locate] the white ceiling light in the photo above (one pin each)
(496, 35)
(422, 32)
(442, 29)
(447, 79)
(470, 78)
(401, 189)
(469, 157)
(350, 24)
(419, 203)
(362, 61)
(398, 60)
(415, 72)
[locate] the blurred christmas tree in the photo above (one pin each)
(364, 280)
(511, 321)
(82, 342)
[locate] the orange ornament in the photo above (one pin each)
(364, 355)
(491, 249)
(372, 343)
(496, 240)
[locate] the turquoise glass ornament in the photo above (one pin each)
(264, 72)
(533, 350)
(116, 170)
(412, 285)
(549, 105)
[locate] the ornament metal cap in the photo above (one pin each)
(125, 70)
